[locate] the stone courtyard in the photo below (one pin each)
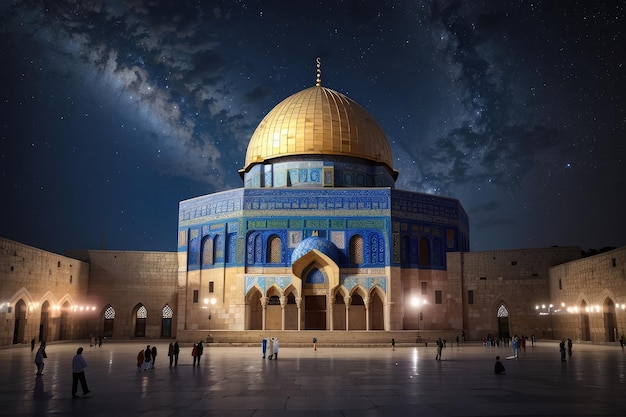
(329, 382)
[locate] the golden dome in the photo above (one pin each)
(317, 121)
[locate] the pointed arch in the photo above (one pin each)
(108, 316)
(356, 250)
(140, 315)
(167, 314)
(254, 310)
(502, 317)
(274, 249)
(376, 309)
(207, 258)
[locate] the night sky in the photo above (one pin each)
(114, 111)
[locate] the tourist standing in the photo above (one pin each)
(562, 349)
(315, 343)
(270, 349)
(439, 349)
(515, 346)
(170, 353)
(276, 348)
(194, 353)
(393, 344)
(78, 373)
(32, 344)
(264, 346)
(39, 357)
(176, 352)
(154, 353)
(147, 358)
(200, 351)
(569, 347)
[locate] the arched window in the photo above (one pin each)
(405, 248)
(424, 252)
(273, 250)
(207, 251)
(356, 250)
(109, 321)
(258, 249)
(231, 250)
(109, 313)
(218, 249)
(142, 312)
(166, 321)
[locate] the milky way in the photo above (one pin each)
(114, 111)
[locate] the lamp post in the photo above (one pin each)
(207, 304)
(418, 303)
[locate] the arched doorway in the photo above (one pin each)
(357, 312)
(610, 323)
(585, 333)
(339, 312)
(20, 322)
(44, 321)
(254, 310)
(64, 322)
(109, 321)
(503, 322)
(376, 312)
(291, 312)
(141, 315)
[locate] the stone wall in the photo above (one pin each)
(515, 280)
(38, 288)
(128, 280)
(590, 294)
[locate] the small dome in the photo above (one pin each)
(318, 121)
(325, 246)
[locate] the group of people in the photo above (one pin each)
(563, 349)
(196, 352)
(146, 358)
(270, 348)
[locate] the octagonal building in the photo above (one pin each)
(318, 238)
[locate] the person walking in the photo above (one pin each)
(200, 351)
(39, 357)
(176, 352)
(562, 349)
(32, 345)
(315, 343)
(170, 353)
(622, 341)
(569, 347)
(194, 353)
(393, 344)
(78, 373)
(154, 353)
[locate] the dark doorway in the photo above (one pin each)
(315, 312)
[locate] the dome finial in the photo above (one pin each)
(318, 80)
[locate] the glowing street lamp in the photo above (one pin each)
(418, 303)
(207, 304)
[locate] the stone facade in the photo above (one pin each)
(549, 293)
(39, 289)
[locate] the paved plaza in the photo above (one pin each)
(329, 382)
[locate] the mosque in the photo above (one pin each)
(318, 241)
